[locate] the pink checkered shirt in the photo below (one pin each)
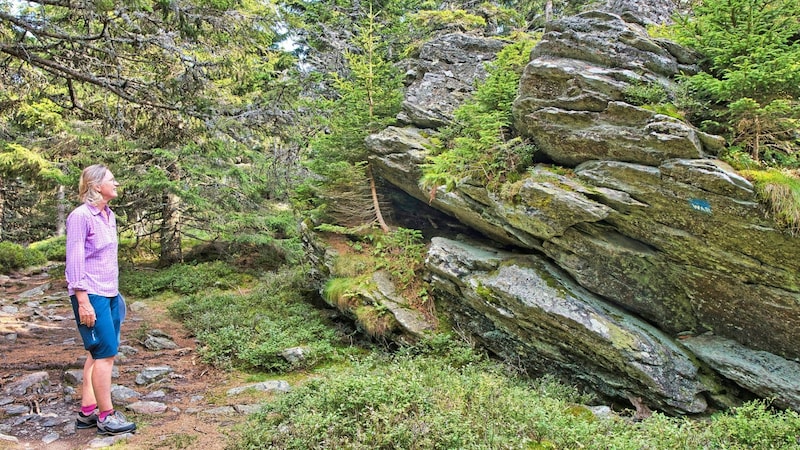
(92, 252)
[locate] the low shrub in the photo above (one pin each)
(417, 399)
(250, 330)
(183, 279)
(54, 249)
(14, 256)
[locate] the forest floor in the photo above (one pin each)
(39, 341)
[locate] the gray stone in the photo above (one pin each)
(127, 350)
(573, 92)
(153, 374)
(147, 407)
(247, 409)
(602, 411)
(159, 343)
(411, 320)
(647, 11)
(295, 355)
(55, 421)
(7, 438)
(35, 292)
(49, 438)
(108, 441)
(138, 306)
(16, 410)
(221, 411)
(765, 374)
(21, 387)
(19, 420)
(74, 376)
(158, 333)
(572, 137)
(643, 219)
(155, 395)
(444, 74)
(123, 394)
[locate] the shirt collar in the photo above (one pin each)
(95, 210)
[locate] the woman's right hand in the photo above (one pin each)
(85, 309)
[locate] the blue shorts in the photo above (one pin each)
(101, 340)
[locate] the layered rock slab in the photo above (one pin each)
(522, 303)
(572, 96)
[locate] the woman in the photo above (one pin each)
(93, 283)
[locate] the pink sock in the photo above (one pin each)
(86, 410)
(104, 414)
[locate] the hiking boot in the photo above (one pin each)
(115, 423)
(83, 422)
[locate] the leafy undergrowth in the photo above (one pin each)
(457, 400)
(439, 393)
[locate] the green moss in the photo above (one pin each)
(667, 109)
(619, 338)
(448, 18)
(581, 412)
(484, 293)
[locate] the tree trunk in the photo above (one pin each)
(170, 235)
(548, 11)
(61, 220)
(2, 208)
(375, 202)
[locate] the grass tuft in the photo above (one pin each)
(780, 190)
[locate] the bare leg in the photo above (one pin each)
(87, 391)
(101, 382)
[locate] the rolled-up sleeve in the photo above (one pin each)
(77, 232)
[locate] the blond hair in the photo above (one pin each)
(91, 177)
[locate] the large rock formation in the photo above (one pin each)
(649, 270)
(534, 314)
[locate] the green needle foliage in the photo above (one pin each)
(481, 146)
(750, 85)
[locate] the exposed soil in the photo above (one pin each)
(38, 333)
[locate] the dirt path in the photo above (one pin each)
(39, 341)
